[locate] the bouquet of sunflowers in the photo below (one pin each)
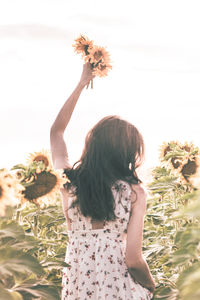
(97, 56)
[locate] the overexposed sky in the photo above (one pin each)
(155, 52)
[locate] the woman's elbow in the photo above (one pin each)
(134, 262)
(55, 132)
(52, 129)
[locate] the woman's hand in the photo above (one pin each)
(151, 287)
(87, 75)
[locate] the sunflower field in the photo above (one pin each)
(33, 235)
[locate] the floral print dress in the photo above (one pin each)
(97, 256)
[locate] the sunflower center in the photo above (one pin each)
(189, 168)
(97, 55)
(102, 67)
(44, 183)
(43, 159)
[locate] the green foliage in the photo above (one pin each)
(172, 233)
(32, 250)
(33, 240)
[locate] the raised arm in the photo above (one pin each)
(137, 266)
(58, 146)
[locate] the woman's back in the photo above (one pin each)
(113, 150)
(97, 256)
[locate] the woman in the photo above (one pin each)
(104, 205)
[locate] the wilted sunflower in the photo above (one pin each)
(10, 191)
(46, 184)
(187, 147)
(172, 147)
(164, 149)
(44, 156)
(169, 147)
(83, 45)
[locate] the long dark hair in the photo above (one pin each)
(113, 150)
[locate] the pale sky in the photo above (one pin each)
(155, 81)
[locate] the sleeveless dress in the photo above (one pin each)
(97, 256)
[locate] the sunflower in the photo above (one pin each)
(187, 147)
(164, 149)
(98, 55)
(102, 70)
(45, 185)
(175, 160)
(10, 191)
(189, 169)
(43, 156)
(83, 45)
(195, 179)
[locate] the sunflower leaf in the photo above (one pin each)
(45, 291)
(14, 261)
(9, 295)
(19, 166)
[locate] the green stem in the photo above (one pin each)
(35, 227)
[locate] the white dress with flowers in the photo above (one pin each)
(97, 256)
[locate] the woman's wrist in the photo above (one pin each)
(151, 287)
(141, 273)
(86, 76)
